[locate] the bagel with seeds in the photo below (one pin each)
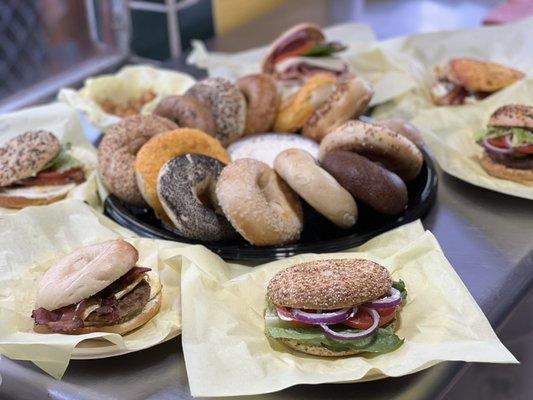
(118, 149)
(259, 205)
(316, 186)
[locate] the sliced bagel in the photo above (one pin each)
(20, 197)
(316, 350)
(513, 116)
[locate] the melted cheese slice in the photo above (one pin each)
(330, 63)
(38, 192)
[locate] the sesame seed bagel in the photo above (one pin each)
(316, 350)
(186, 190)
(187, 112)
(259, 205)
(117, 151)
(226, 103)
(349, 100)
(513, 115)
(262, 100)
(377, 143)
(316, 186)
(162, 148)
(25, 155)
(329, 284)
(523, 176)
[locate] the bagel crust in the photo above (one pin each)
(523, 176)
(117, 151)
(378, 143)
(259, 205)
(513, 116)
(320, 351)
(21, 197)
(316, 186)
(329, 284)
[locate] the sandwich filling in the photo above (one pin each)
(446, 92)
(367, 327)
(119, 302)
(512, 147)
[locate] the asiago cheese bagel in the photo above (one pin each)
(259, 205)
(377, 143)
(262, 101)
(117, 151)
(162, 148)
(316, 186)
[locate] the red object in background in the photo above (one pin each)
(510, 11)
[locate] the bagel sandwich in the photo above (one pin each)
(508, 144)
(36, 169)
(336, 307)
(97, 288)
(300, 52)
(467, 80)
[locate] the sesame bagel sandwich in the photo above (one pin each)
(36, 169)
(337, 307)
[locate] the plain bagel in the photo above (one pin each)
(377, 143)
(187, 112)
(259, 205)
(226, 103)
(316, 186)
(117, 151)
(186, 189)
(262, 100)
(367, 181)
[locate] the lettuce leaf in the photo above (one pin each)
(324, 49)
(63, 161)
(521, 136)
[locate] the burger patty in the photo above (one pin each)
(123, 309)
(511, 161)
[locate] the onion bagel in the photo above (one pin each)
(162, 148)
(187, 112)
(226, 103)
(316, 186)
(349, 100)
(262, 100)
(186, 189)
(259, 205)
(377, 143)
(117, 151)
(367, 181)
(296, 110)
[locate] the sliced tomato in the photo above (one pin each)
(498, 142)
(527, 149)
(50, 177)
(363, 320)
(287, 313)
(295, 52)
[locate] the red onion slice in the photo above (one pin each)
(394, 299)
(494, 149)
(334, 317)
(354, 336)
(509, 141)
(284, 314)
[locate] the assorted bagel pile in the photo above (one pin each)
(175, 161)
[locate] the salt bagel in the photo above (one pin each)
(262, 102)
(296, 110)
(377, 143)
(226, 103)
(162, 148)
(117, 151)
(367, 181)
(316, 186)
(259, 205)
(349, 100)
(187, 112)
(186, 189)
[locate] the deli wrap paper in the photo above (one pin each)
(64, 123)
(128, 83)
(449, 132)
(31, 241)
(227, 353)
(418, 55)
(363, 56)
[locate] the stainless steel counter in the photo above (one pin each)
(488, 238)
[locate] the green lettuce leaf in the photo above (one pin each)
(324, 50)
(400, 285)
(63, 161)
(521, 136)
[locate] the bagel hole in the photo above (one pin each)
(205, 193)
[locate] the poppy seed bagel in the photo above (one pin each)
(226, 103)
(186, 190)
(329, 284)
(118, 149)
(25, 155)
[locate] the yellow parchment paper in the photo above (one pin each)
(227, 353)
(31, 241)
(449, 132)
(362, 55)
(63, 122)
(129, 83)
(418, 55)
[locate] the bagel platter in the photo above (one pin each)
(252, 171)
